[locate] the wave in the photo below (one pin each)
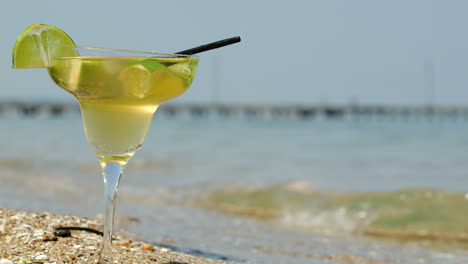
(415, 216)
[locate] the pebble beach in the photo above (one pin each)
(37, 238)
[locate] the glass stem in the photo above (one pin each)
(111, 171)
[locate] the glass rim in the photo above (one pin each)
(131, 51)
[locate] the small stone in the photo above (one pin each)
(62, 233)
(147, 246)
(124, 243)
(6, 261)
(49, 238)
(41, 257)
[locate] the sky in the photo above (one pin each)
(295, 51)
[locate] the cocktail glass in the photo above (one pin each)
(119, 92)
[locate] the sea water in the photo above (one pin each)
(46, 164)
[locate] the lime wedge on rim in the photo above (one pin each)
(38, 43)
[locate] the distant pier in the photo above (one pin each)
(322, 111)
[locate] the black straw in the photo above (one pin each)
(210, 46)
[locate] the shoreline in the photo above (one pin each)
(27, 237)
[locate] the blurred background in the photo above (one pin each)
(332, 124)
(298, 52)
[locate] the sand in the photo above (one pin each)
(27, 237)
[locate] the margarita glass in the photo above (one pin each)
(119, 91)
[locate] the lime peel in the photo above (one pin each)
(152, 65)
(37, 43)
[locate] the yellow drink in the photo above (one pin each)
(119, 95)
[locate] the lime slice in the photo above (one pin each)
(136, 80)
(152, 65)
(184, 70)
(166, 85)
(37, 43)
